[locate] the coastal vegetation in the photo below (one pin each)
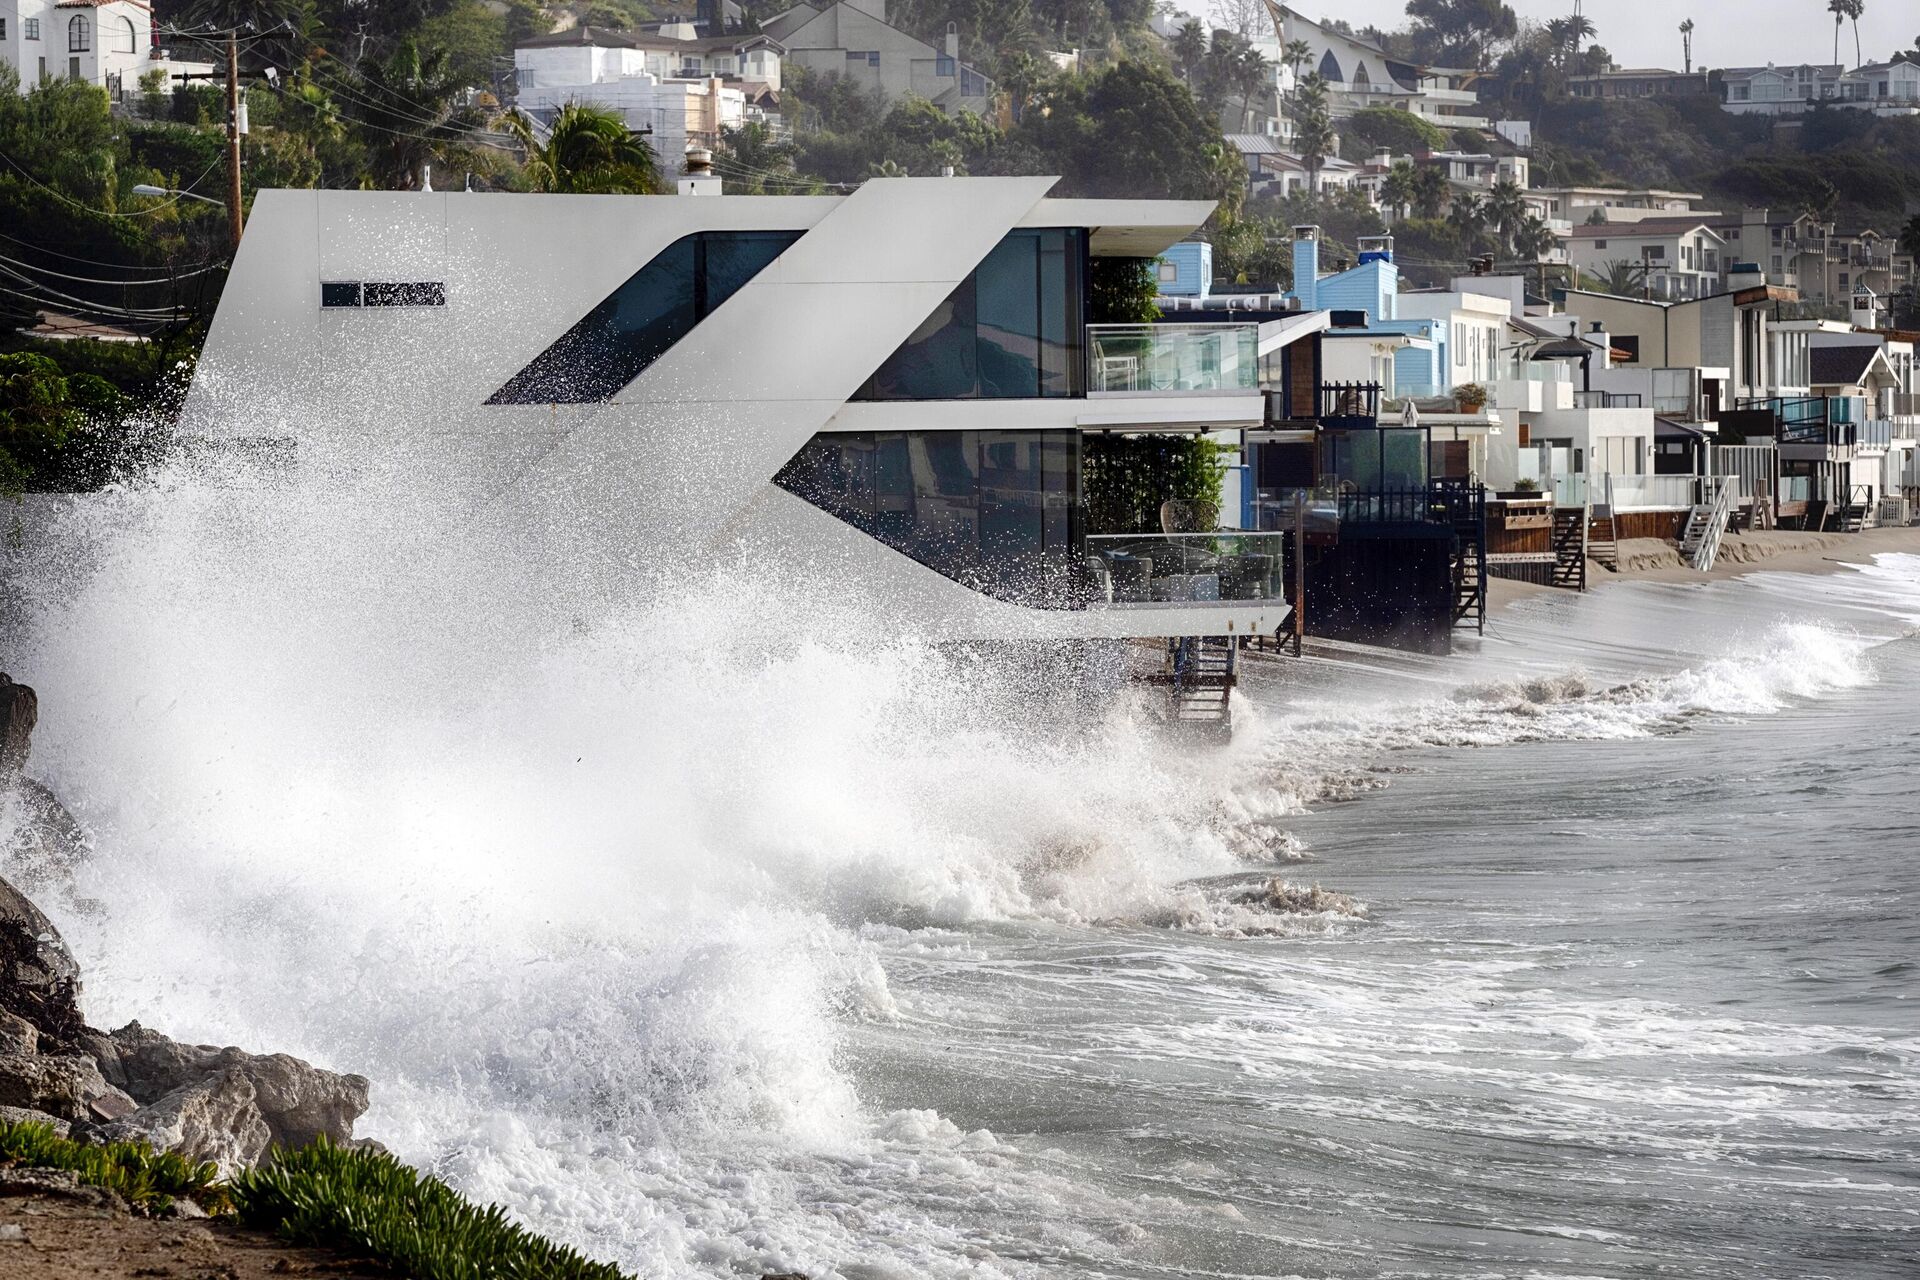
(148, 1180)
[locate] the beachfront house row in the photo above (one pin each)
(887, 394)
(853, 38)
(103, 42)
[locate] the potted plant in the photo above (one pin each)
(1526, 486)
(1470, 396)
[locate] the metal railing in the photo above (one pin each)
(1165, 568)
(1608, 400)
(1874, 433)
(1161, 358)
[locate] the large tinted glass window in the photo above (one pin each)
(637, 324)
(997, 510)
(1011, 330)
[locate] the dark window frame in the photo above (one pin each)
(345, 295)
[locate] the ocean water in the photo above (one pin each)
(720, 946)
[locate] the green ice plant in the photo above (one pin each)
(150, 1181)
(368, 1202)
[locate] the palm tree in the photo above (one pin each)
(1686, 44)
(1313, 135)
(1624, 278)
(1252, 73)
(1579, 27)
(588, 150)
(1506, 210)
(1534, 239)
(1853, 9)
(1189, 49)
(1838, 8)
(1468, 218)
(1560, 37)
(1430, 191)
(410, 107)
(1397, 189)
(888, 168)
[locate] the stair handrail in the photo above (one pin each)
(1709, 548)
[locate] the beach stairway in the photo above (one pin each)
(1201, 672)
(1707, 524)
(1602, 541)
(1468, 512)
(1570, 546)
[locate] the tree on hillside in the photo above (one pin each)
(1854, 9)
(42, 410)
(1460, 32)
(1430, 191)
(1131, 129)
(1467, 217)
(1313, 135)
(409, 105)
(1910, 237)
(589, 150)
(1506, 211)
(1686, 45)
(1534, 239)
(1189, 50)
(1397, 188)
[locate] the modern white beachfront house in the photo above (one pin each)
(890, 386)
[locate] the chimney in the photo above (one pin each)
(1376, 249)
(697, 177)
(953, 42)
(1306, 267)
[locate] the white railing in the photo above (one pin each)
(1706, 539)
(1652, 493)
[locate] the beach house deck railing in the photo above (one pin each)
(1147, 568)
(1173, 358)
(1653, 493)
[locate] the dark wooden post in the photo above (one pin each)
(1299, 571)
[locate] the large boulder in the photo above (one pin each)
(217, 1118)
(297, 1102)
(69, 1086)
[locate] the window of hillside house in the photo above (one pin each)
(30, 29)
(1169, 273)
(1599, 244)
(945, 67)
(1658, 252)
(1330, 68)
(79, 34)
(129, 37)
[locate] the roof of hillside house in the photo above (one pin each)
(1645, 228)
(606, 38)
(1830, 68)
(1255, 144)
(1839, 366)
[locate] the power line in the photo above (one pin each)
(139, 213)
(128, 284)
(91, 262)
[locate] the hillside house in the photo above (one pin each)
(853, 39)
(103, 42)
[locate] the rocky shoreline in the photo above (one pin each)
(204, 1102)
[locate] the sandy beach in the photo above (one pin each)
(1774, 550)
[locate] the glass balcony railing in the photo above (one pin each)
(1159, 358)
(1187, 568)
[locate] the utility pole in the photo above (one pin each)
(233, 135)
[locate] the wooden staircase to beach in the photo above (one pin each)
(1570, 546)
(1858, 513)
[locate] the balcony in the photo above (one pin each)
(1206, 359)
(1608, 400)
(1186, 568)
